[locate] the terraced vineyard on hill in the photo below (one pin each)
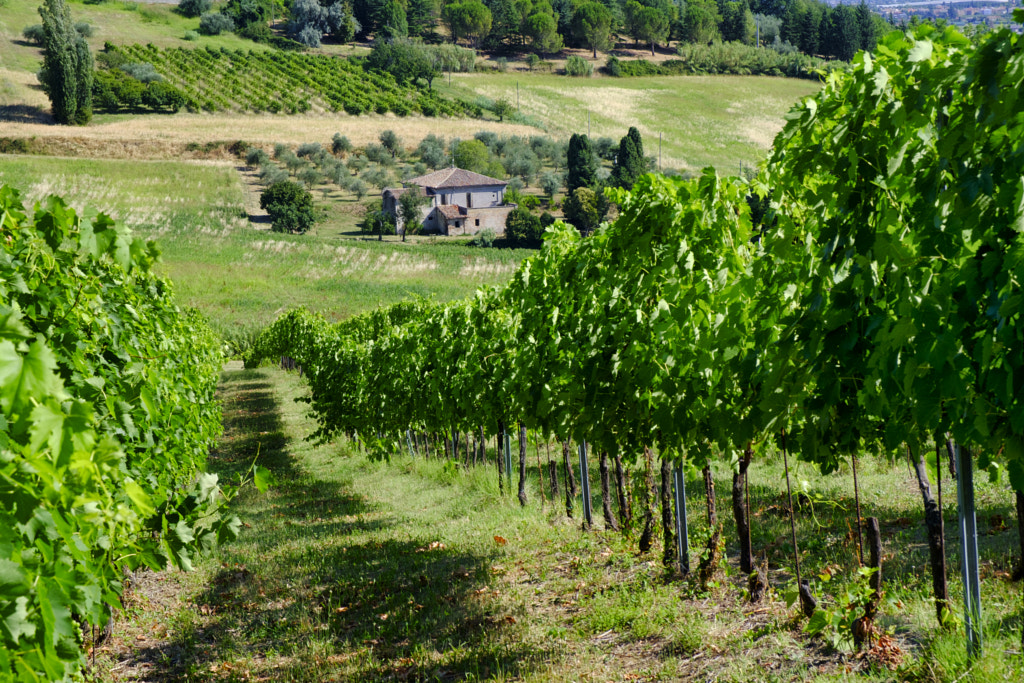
(283, 82)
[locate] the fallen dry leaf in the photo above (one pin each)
(500, 541)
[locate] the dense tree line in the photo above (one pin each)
(546, 26)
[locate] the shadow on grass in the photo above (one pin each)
(343, 588)
(24, 113)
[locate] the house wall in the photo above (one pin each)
(471, 197)
(478, 219)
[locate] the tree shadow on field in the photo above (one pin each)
(342, 585)
(24, 113)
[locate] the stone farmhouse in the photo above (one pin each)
(461, 202)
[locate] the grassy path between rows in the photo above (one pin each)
(349, 570)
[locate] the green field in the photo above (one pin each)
(242, 276)
(721, 121)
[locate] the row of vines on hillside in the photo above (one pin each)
(108, 413)
(282, 82)
(862, 293)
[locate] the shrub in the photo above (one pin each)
(271, 174)
(33, 34)
(378, 176)
(160, 95)
(551, 183)
(340, 144)
(523, 229)
(378, 154)
(194, 8)
(527, 201)
(577, 66)
(215, 23)
(613, 67)
(191, 35)
(502, 64)
(114, 90)
(309, 36)
(391, 142)
(84, 29)
(485, 238)
(357, 162)
(309, 149)
(357, 187)
(532, 60)
(255, 156)
(606, 148)
(143, 72)
(432, 152)
(290, 207)
(309, 176)
(376, 221)
(257, 32)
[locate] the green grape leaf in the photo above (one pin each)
(263, 478)
(142, 500)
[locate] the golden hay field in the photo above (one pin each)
(166, 136)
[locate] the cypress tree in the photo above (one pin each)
(629, 162)
(866, 24)
(66, 74)
(581, 164)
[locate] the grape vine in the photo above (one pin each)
(108, 412)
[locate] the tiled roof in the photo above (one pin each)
(452, 211)
(397, 192)
(454, 177)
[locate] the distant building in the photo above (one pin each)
(461, 202)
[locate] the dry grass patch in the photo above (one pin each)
(166, 136)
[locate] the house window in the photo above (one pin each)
(469, 200)
(478, 222)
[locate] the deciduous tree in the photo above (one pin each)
(290, 207)
(582, 210)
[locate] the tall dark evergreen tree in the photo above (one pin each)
(840, 33)
(421, 16)
(629, 162)
(581, 164)
(866, 24)
(737, 22)
(66, 74)
(391, 21)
